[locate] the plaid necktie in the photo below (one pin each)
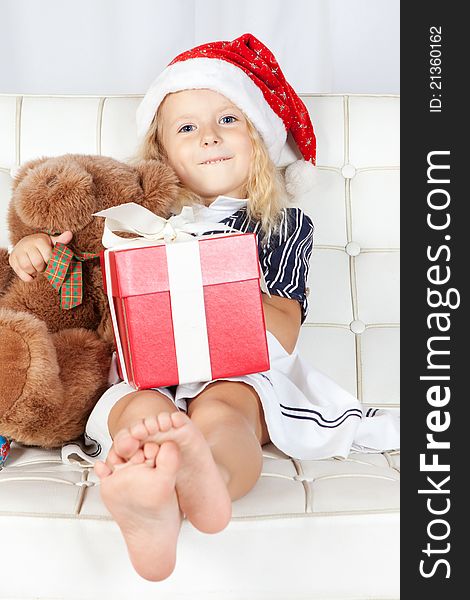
(64, 272)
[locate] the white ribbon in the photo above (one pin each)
(188, 312)
(133, 218)
(187, 308)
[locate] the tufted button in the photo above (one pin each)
(348, 171)
(353, 249)
(357, 326)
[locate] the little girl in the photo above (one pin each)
(220, 115)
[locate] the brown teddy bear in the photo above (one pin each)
(54, 361)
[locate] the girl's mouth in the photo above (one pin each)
(215, 161)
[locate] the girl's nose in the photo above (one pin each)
(209, 137)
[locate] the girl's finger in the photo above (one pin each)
(63, 238)
(23, 275)
(37, 259)
(44, 246)
(22, 269)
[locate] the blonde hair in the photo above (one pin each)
(265, 186)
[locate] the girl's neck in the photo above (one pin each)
(208, 201)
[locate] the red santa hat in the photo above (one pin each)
(247, 73)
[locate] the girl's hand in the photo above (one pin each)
(32, 253)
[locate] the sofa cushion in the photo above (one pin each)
(309, 529)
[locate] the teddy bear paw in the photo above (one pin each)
(27, 361)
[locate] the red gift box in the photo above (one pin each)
(187, 311)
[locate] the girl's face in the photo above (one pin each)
(198, 126)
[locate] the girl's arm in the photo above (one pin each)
(283, 319)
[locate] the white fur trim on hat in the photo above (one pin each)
(300, 177)
(225, 78)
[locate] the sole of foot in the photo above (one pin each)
(141, 497)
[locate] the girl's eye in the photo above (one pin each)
(184, 127)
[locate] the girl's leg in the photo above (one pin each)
(231, 418)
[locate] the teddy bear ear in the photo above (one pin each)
(159, 184)
(19, 173)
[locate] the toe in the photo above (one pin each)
(113, 458)
(168, 459)
(164, 421)
(125, 444)
(102, 470)
(179, 419)
(138, 458)
(151, 424)
(150, 452)
(139, 431)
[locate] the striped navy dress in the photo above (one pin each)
(284, 255)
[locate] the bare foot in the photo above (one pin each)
(200, 485)
(140, 495)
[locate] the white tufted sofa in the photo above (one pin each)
(324, 529)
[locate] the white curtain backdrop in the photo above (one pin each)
(119, 46)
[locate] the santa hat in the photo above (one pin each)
(247, 73)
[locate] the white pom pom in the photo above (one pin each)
(300, 177)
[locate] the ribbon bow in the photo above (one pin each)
(64, 272)
(133, 218)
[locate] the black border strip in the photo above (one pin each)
(432, 567)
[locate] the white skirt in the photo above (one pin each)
(308, 415)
